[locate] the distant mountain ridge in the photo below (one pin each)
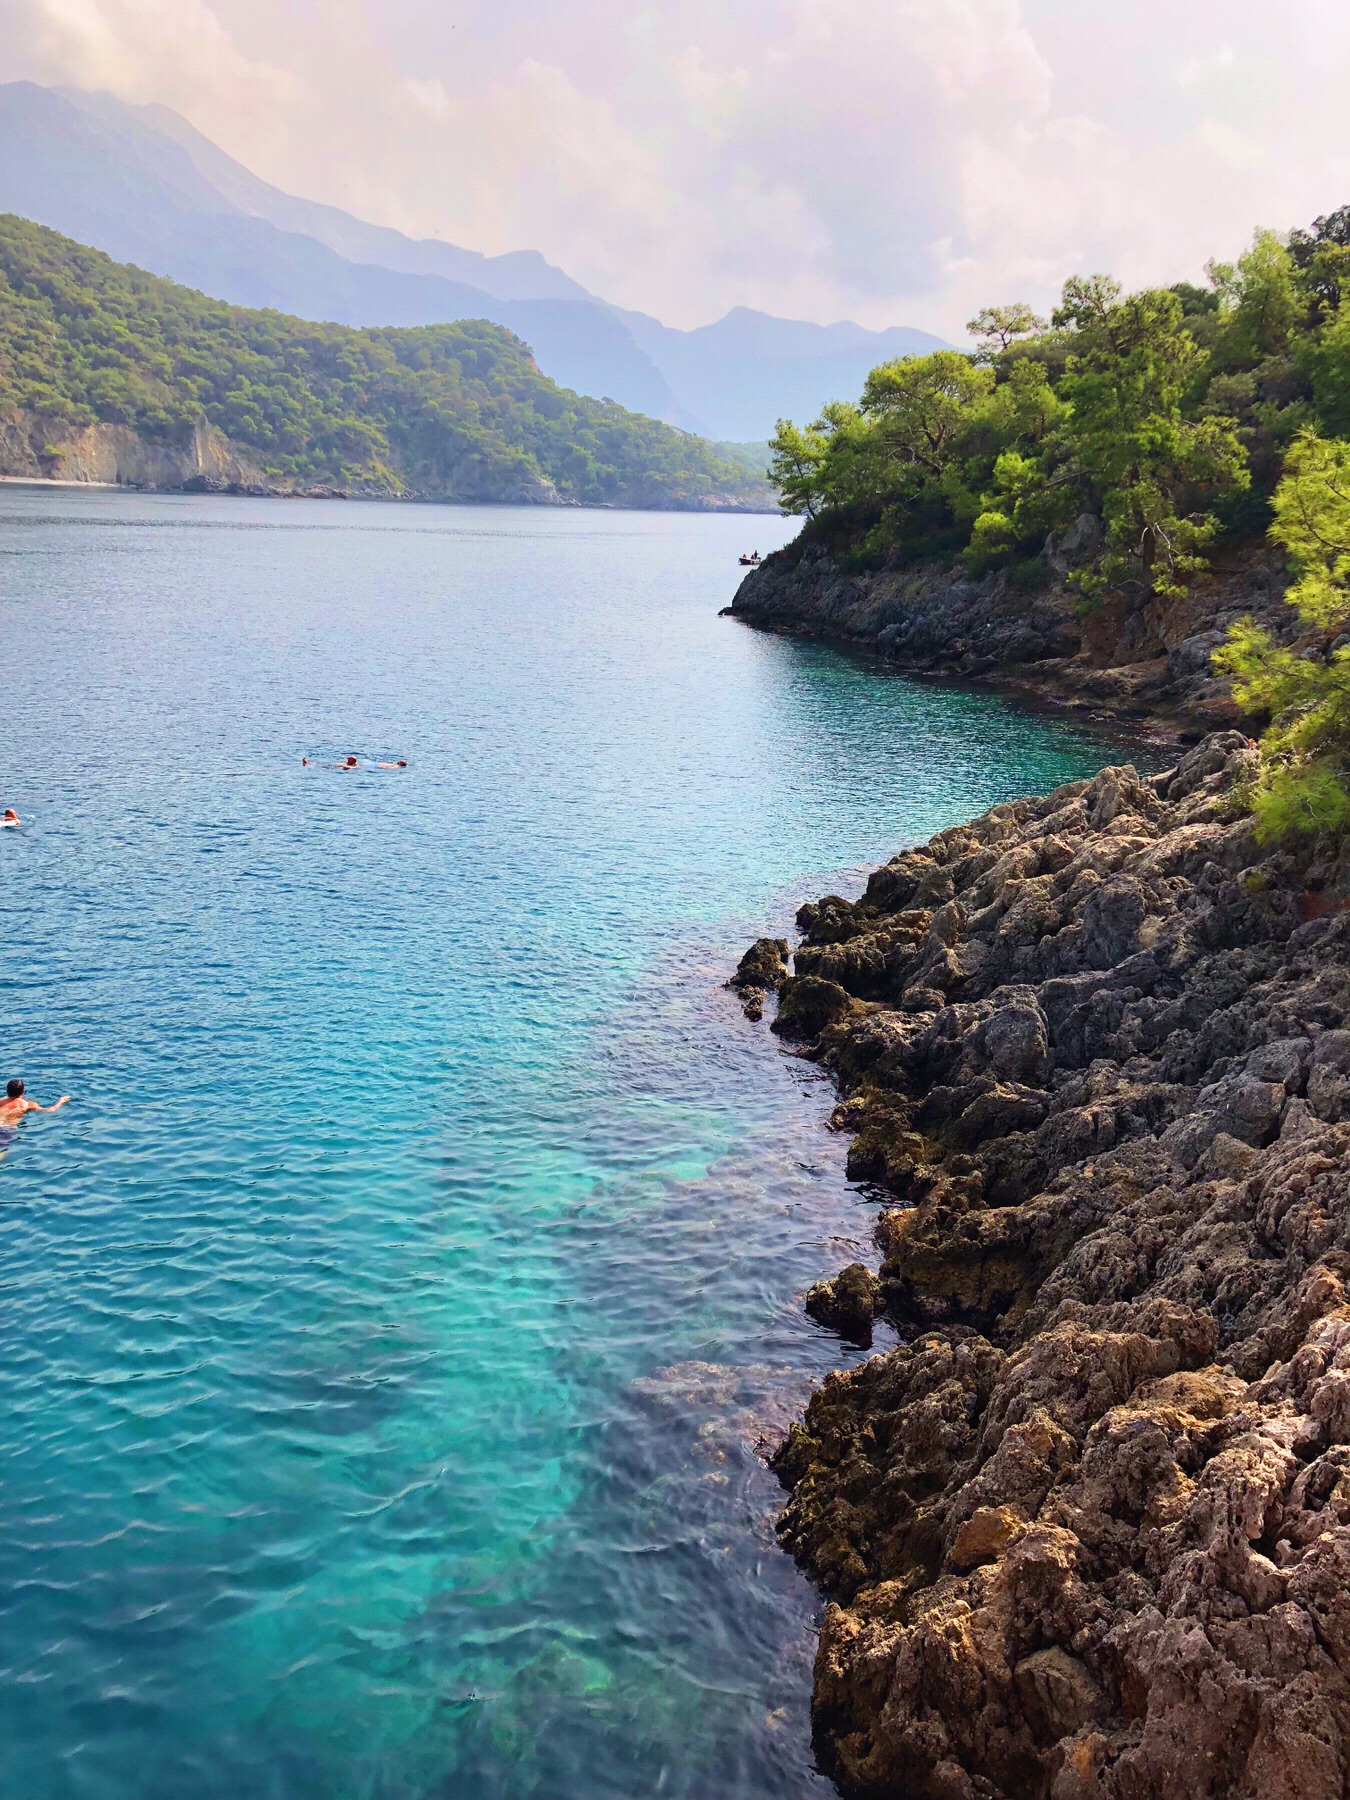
(726, 369)
(519, 275)
(144, 186)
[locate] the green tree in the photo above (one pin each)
(998, 326)
(1087, 303)
(796, 457)
(921, 404)
(1326, 357)
(1304, 693)
(1154, 469)
(1322, 257)
(1260, 302)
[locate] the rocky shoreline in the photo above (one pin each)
(1144, 666)
(1085, 1535)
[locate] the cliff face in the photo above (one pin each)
(1147, 662)
(41, 449)
(200, 459)
(1086, 1534)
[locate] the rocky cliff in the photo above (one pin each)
(1086, 1532)
(199, 459)
(41, 449)
(1143, 662)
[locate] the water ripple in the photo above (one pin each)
(391, 1324)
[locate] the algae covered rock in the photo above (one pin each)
(763, 966)
(808, 1003)
(848, 1304)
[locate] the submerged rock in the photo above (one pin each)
(1086, 1533)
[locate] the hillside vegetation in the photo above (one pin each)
(455, 410)
(1133, 434)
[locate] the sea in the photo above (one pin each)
(394, 1322)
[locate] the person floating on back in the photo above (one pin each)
(350, 762)
(15, 1104)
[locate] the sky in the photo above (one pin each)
(889, 161)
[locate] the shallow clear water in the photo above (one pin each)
(388, 1325)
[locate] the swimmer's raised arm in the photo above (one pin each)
(16, 1104)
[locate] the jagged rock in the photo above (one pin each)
(808, 1003)
(1086, 1533)
(763, 966)
(848, 1304)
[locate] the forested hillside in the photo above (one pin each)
(1126, 440)
(456, 411)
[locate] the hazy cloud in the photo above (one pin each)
(889, 160)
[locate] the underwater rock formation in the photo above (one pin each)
(1086, 1533)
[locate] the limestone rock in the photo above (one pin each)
(848, 1304)
(763, 966)
(1086, 1533)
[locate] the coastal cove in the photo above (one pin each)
(392, 1320)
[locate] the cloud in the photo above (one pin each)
(140, 49)
(889, 160)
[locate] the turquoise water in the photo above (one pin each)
(389, 1323)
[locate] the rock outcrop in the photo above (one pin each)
(41, 449)
(1148, 662)
(763, 967)
(1086, 1533)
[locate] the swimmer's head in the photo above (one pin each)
(10, 813)
(14, 1089)
(402, 763)
(351, 762)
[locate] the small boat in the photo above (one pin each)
(751, 561)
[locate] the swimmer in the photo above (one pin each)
(13, 1107)
(393, 765)
(10, 817)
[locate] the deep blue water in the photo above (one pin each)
(389, 1323)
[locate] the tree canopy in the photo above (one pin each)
(1166, 413)
(1304, 691)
